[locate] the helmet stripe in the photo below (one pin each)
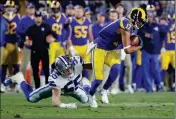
(143, 13)
(63, 60)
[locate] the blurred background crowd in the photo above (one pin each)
(151, 69)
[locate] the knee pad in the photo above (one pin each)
(81, 95)
(34, 98)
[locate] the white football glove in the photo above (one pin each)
(163, 50)
(73, 51)
(91, 46)
(69, 105)
(123, 54)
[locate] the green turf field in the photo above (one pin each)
(155, 105)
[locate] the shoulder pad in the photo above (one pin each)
(126, 24)
(77, 60)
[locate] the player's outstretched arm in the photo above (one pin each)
(56, 102)
(126, 42)
(56, 92)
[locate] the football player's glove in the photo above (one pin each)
(69, 105)
(138, 17)
(73, 51)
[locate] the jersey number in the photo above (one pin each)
(72, 85)
(57, 28)
(11, 28)
(171, 37)
(80, 31)
(128, 26)
(75, 61)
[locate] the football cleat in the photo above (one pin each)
(3, 90)
(17, 78)
(92, 101)
(104, 96)
(130, 89)
(114, 91)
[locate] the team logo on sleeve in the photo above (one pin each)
(42, 28)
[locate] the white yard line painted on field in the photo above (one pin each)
(132, 104)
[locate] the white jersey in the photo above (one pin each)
(68, 84)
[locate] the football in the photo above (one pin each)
(134, 40)
(50, 39)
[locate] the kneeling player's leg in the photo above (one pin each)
(112, 60)
(81, 95)
(31, 96)
(98, 57)
(19, 79)
(40, 93)
(86, 85)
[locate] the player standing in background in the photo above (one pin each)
(113, 15)
(97, 27)
(88, 13)
(3, 25)
(69, 10)
(153, 35)
(24, 24)
(66, 77)
(80, 35)
(57, 21)
(168, 51)
(10, 50)
(114, 36)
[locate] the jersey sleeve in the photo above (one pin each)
(52, 79)
(78, 64)
(77, 60)
(126, 25)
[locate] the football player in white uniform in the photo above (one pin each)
(66, 76)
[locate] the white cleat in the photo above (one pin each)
(17, 88)
(17, 78)
(3, 90)
(92, 101)
(104, 97)
(130, 89)
(114, 91)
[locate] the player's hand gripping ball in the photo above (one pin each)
(134, 40)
